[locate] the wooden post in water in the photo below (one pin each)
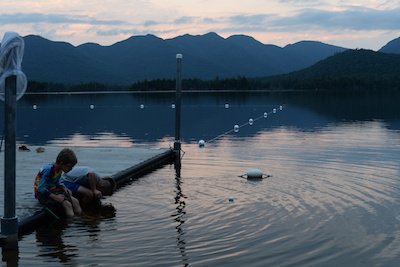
(177, 143)
(9, 223)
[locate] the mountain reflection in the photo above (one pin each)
(125, 118)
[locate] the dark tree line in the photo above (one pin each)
(350, 82)
(239, 83)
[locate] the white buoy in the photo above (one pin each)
(34, 106)
(236, 128)
(173, 106)
(274, 110)
(226, 105)
(280, 107)
(91, 106)
(265, 114)
(141, 106)
(202, 143)
(254, 174)
(251, 121)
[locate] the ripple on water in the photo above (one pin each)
(325, 195)
(332, 200)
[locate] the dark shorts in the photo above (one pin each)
(49, 202)
(53, 207)
(71, 186)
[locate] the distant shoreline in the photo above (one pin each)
(268, 91)
(163, 92)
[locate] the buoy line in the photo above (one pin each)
(237, 127)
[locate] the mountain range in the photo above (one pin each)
(148, 57)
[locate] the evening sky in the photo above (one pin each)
(366, 24)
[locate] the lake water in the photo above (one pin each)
(333, 198)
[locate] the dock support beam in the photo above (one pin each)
(9, 223)
(177, 143)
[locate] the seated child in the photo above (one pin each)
(87, 184)
(49, 192)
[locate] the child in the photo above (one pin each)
(87, 184)
(48, 190)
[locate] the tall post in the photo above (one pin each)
(177, 143)
(9, 223)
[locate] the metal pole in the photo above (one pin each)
(177, 143)
(9, 223)
(178, 101)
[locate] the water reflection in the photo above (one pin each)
(179, 216)
(10, 255)
(52, 240)
(333, 197)
(51, 244)
(204, 116)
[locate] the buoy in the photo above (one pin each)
(173, 106)
(236, 128)
(202, 143)
(274, 110)
(226, 105)
(251, 121)
(280, 107)
(265, 114)
(254, 174)
(142, 106)
(91, 106)
(34, 106)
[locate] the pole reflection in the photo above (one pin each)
(10, 254)
(179, 216)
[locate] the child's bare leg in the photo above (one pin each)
(68, 208)
(76, 206)
(93, 183)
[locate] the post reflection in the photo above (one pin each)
(10, 254)
(179, 216)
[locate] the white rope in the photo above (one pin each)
(264, 116)
(11, 54)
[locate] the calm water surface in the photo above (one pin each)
(333, 198)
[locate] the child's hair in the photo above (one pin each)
(66, 156)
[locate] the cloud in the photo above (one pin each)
(354, 18)
(185, 20)
(113, 32)
(257, 19)
(149, 23)
(303, 2)
(27, 18)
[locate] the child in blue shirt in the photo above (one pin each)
(49, 192)
(86, 183)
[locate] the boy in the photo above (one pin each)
(48, 190)
(87, 184)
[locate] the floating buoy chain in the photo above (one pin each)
(236, 127)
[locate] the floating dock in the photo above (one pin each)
(122, 164)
